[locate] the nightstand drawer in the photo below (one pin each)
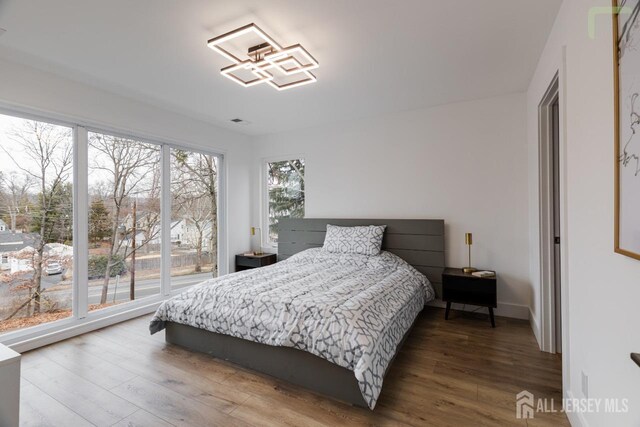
(469, 290)
(244, 261)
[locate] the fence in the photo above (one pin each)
(177, 261)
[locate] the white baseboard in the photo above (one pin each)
(576, 418)
(514, 311)
(534, 327)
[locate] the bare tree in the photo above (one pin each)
(46, 152)
(150, 204)
(15, 195)
(199, 181)
(196, 210)
(128, 165)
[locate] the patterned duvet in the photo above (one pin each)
(352, 310)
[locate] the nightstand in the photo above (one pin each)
(466, 288)
(245, 262)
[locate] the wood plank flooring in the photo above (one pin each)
(449, 373)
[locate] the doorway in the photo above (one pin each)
(550, 219)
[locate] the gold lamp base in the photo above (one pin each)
(253, 233)
(468, 240)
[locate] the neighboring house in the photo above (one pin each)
(17, 261)
(176, 231)
(16, 251)
(141, 238)
(21, 260)
(127, 225)
(185, 233)
(3, 226)
(12, 242)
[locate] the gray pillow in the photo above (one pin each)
(365, 240)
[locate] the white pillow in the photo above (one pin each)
(365, 240)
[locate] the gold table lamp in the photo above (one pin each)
(253, 233)
(468, 240)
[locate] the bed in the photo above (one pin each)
(329, 322)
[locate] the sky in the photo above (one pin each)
(16, 155)
(7, 124)
(8, 165)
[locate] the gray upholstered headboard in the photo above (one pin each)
(420, 242)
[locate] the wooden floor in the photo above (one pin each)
(456, 372)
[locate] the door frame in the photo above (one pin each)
(547, 214)
(548, 339)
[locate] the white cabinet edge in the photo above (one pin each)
(7, 355)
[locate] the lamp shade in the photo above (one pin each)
(468, 239)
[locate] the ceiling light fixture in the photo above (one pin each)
(281, 68)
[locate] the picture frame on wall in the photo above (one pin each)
(626, 63)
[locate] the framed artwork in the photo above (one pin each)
(626, 60)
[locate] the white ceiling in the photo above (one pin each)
(376, 56)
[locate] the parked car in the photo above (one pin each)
(53, 268)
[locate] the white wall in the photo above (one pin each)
(464, 162)
(603, 287)
(23, 86)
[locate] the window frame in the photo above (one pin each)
(264, 188)
(82, 321)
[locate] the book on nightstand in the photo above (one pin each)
(484, 273)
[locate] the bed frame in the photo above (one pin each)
(420, 242)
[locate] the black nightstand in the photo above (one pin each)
(465, 288)
(245, 262)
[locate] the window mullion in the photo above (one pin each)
(223, 258)
(165, 222)
(264, 214)
(80, 224)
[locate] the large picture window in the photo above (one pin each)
(97, 225)
(36, 222)
(284, 194)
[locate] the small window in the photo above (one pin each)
(284, 194)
